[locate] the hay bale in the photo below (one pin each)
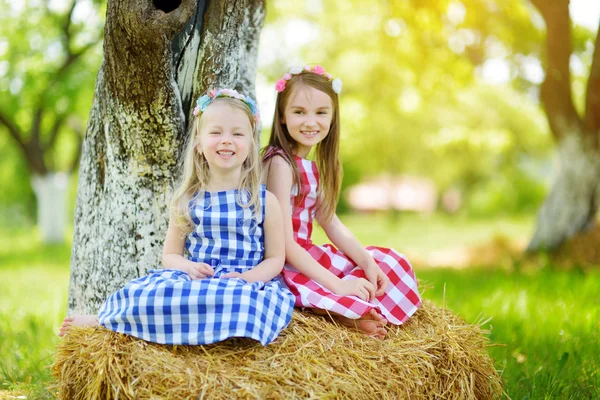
(435, 354)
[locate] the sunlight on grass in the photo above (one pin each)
(34, 280)
(546, 325)
(422, 234)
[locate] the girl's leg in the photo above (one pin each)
(77, 320)
(371, 324)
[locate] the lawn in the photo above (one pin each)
(544, 323)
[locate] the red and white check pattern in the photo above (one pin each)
(401, 298)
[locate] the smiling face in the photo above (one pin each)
(307, 115)
(225, 137)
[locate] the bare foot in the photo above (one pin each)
(371, 324)
(77, 320)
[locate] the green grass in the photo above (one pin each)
(544, 324)
(34, 280)
(422, 234)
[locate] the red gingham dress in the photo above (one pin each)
(401, 298)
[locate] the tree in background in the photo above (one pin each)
(572, 205)
(158, 56)
(46, 61)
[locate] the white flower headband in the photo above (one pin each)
(336, 83)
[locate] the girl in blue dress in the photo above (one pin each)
(224, 248)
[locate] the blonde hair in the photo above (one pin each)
(326, 151)
(196, 174)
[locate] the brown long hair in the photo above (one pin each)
(326, 151)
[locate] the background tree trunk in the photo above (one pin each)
(51, 192)
(572, 205)
(137, 129)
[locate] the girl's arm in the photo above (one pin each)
(344, 239)
(274, 257)
(279, 181)
(172, 256)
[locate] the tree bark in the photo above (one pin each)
(227, 56)
(137, 130)
(572, 204)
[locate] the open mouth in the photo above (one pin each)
(225, 153)
(310, 133)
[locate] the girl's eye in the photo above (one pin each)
(298, 112)
(215, 133)
(323, 112)
(238, 134)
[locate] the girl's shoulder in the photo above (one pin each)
(275, 159)
(272, 151)
(278, 167)
(274, 154)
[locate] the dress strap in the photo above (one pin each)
(273, 151)
(263, 201)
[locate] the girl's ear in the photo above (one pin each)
(282, 120)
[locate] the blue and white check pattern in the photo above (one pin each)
(224, 230)
(168, 307)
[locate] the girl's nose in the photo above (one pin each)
(310, 122)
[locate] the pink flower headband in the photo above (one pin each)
(336, 83)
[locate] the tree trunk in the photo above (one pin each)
(573, 202)
(137, 130)
(185, 51)
(51, 194)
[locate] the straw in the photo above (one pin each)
(434, 355)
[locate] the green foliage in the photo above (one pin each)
(496, 150)
(35, 49)
(18, 202)
(49, 56)
(510, 193)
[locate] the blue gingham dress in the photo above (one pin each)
(168, 307)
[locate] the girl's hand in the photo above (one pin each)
(377, 278)
(360, 288)
(200, 270)
(232, 275)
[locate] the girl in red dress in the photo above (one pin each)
(365, 288)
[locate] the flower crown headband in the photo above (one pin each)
(205, 100)
(336, 83)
